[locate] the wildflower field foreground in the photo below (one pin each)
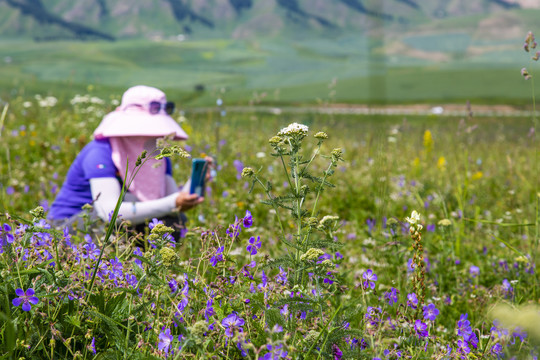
(321, 237)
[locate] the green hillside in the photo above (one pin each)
(373, 52)
(286, 71)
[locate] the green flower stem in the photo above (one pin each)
(285, 169)
(112, 223)
(322, 331)
(273, 204)
(107, 237)
(537, 203)
(320, 188)
(128, 328)
(313, 157)
(18, 273)
(298, 206)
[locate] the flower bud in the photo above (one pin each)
(247, 172)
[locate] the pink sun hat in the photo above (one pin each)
(141, 113)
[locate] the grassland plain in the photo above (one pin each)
(292, 71)
(359, 287)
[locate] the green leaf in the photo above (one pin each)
(9, 334)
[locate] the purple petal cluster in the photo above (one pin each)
(25, 298)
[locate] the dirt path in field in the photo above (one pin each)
(398, 110)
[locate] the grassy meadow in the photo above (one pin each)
(436, 68)
(334, 265)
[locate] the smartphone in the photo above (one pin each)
(198, 175)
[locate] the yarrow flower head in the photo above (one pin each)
(25, 298)
(294, 130)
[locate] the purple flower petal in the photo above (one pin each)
(19, 292)
(33, 300)
(26, 307)
(17, 301)
(30, 292)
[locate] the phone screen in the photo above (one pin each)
(198, 175)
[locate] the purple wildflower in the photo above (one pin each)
(254, 245)
(218, 256)
(336, 352)
(209, 311)
(154, 222)
(281, 278)
(248, 219)
(464, 326)
(138, 252)
(116, 269)
(463, 347)
(92, 346)
(5, 234)
(173, 285)
(131, 280)
(474, 271)
(370, 277)
(239, 168)
(25, 298)
(231, 323)
(243, 352)
(165, 339)
(430, 312)
(275, 352)
(496, 349)
(91, 250)
(519, 333)
(391, 296)
(507, 288)
(284, 311)
(420, 328)
(412, 300)
(371, 224)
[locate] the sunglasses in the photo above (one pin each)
(155, 106)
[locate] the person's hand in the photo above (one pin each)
(209, 167)
(186, 201)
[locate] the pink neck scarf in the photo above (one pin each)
(149, 184)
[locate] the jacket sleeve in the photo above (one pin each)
(106, 191)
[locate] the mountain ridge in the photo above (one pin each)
(114, 19)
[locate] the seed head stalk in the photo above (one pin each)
(537, 172)
(418, 281)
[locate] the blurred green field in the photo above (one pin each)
(295, 71)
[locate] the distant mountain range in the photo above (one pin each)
(116, 19)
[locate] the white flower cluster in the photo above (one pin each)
(294, 129)
(78, 99)
(48, 101)
(414, 220)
